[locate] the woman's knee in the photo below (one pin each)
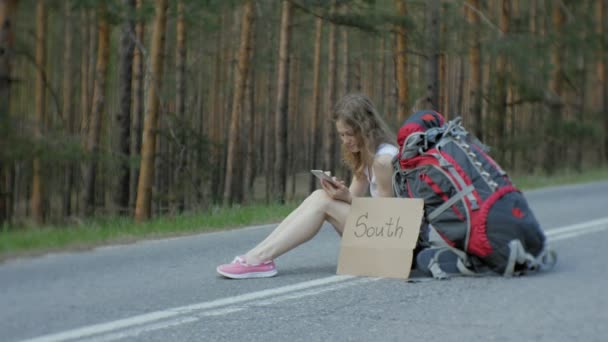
(318, 198)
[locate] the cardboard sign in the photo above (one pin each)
(380, 236)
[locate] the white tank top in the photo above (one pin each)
(383, 149)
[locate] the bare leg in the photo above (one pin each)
(300, 226)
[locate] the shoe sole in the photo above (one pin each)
(266, 274)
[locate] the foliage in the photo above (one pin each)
(212, 38)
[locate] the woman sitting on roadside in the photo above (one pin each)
(368, 147)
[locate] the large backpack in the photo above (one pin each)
(468, 198)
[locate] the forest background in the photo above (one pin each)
(141, 108)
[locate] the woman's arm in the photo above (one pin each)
(339, 191)
(358, 187)
(383, 170)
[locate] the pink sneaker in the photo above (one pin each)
(239, 269)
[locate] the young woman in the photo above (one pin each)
(368, 149)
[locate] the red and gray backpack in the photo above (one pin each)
(469, 200)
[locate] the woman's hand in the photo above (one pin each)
(337, 190)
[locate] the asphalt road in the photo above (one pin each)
(167, 290)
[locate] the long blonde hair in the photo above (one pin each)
(358, 112)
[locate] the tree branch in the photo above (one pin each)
(332, 19)
(47, 84)
(490, 23)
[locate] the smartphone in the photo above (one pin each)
(322, 175)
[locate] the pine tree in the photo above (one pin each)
(143, 207)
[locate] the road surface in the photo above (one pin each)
(167, 290)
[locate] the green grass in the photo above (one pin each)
(38, 240)
(25, 241)
(529, 182)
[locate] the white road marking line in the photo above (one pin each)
(151, 327)
(184, 310)
(228, 305)
(223, 311)
(575, 234)
(312, 292)
(581, 226)
(139, 330)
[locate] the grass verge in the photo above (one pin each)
(33, 241)
(529, 182)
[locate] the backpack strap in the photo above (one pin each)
(450, 202)
(464, 270)
(462, 263)
(546, 259)
(446, 165)
(436, 271)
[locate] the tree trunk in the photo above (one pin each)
(388, 75)
(432, 68)
(92, 41)
(7, 15)
(401, 63)
(146, 175)
(295, 125)
(345, 65)
(528, 156)
(87, 77)
(250, 141)
(138, 105)
(229, 31)
(605, 75)
(178, 187)
(602, 61)
(68, 105)
(269, 113)
(314, 125)
(581, 71)
(161, 160)
(253, 126)
(269, 136)
(37, 207)
(329, 140)
(201, 155)
(500, 103)
(382, 72)
(280, 163)
(357, 74)
(554, 122)
(445, 77)
(94, 136)
(475, 70)
(460, 86)
(344, 86)
(123, 119)
(84, 77)
(214, 119)
(241, 73)
(514, 112)
(443, 84)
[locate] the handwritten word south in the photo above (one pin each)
(389, 229)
